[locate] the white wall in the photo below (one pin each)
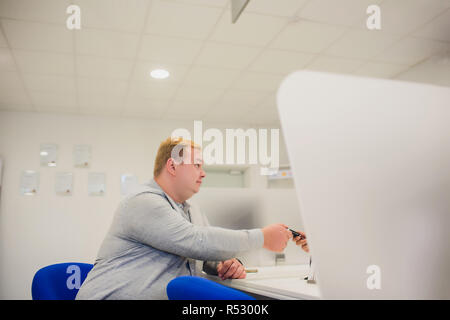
(45, 229)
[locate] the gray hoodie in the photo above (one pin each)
(152, 240)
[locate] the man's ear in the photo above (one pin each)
(171, 166)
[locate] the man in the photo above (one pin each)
(156, 236)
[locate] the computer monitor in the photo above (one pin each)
(371, 167)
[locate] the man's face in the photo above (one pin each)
(190, 173)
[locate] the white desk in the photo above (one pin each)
(280, 282)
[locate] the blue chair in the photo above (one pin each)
(59, 281)
(197, 288)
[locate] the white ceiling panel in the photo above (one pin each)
(45, 62)
(182, 20)
(106, 43)
(247, 97)
(405, 16)
(89, 100)
(307, 36)
(411, 50)
(6, 60)
(109, 87)
(15, 99)
(211, 77)
(10, 80)
(227, 56)
(198, 94)
(379, 70)
(211, 3)
(219, 71)
(91, 66)
(46, 83)
(284, 8)
(334, 64)
(51, 11)
(281, 61)
(258, 81)
(361, 44)
(169, 49)
(184, 108)
(437, 29)
(42, 99)
(148, 108)
(342, 12)
(435, 70)
(38, 36)
(3, 43)
(142, 71)
(250, 29)
(151, 90)
(116, 15)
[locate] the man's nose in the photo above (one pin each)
(203, 173)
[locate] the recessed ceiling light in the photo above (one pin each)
(159, 74)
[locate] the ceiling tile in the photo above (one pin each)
(182, 20)
(51, 11)
(211, 3)
(247, 97)
(198, 94)
(149, 108)
(342, 12)
(211, 77)
(263, 116)
(113, 14)
(151, 90)
(307, 36)
(411, 50)
(438, 29)
(281, 61)
(168, 49)
(258, 81)
(405, 16)
(9, 81)
(6, 60)
(226, 56)
(45, 62)
(107, 110)
(379, 70)
(106, 43)
(142, 71)
(110, 87)
(90, 100)
(435, 71)
(14, 98)
(91, 66)
(46, 83)
(3, 43)
(285, 8)
(334, 65)
(185, 108)
(38, 36)
(51, 99)
(361, 44)
(250, 29)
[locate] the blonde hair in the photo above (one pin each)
(165, 152)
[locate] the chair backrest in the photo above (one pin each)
(59, 281)
(197, 288)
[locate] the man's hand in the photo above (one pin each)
(231, 269)
(276, 237)
(302, 242)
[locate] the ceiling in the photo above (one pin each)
(220, 72)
